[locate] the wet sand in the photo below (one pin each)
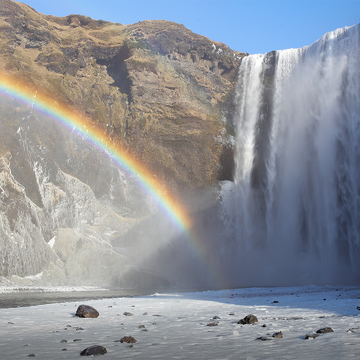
(32, 298)
(22, 298)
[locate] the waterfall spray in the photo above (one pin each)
(297, 182)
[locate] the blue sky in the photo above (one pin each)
(253, 26)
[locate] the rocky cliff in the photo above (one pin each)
(162, 91)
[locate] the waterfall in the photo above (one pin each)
(296, 202)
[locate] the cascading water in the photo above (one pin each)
(297, 180)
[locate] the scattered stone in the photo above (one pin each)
(63, 341)
(127, 313)
(65, 328)
(94, 350)
(68, 325)
(216, 318)
(232, 313)
(79, 328)
(110, 306)
(325, 330)
(263, 338)
(77, 339)
(145, 313)
(141, 326)
(358, 308)
(352, 330)
(215, 323)
(277, 335)
(63, 349)
(154, 323)
(157, 315)
(311, 336)
(11, 323)
(249, 319)
(31, 355)
(275, 302)
(144, 330)
(128, 339)
(264, 325)
(86, 311)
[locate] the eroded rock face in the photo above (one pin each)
(162, 90)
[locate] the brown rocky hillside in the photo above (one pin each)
(164, 91)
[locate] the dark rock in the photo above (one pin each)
(232, 313)
(358, 307)
(127, 313)
(63, 349)
(277, 335)
(31, 355)
(352, 330)
(216, 318)
(275, 302)
(94, 350)
(128, 339)
(311, 336)
(79, 328)
(325, 330)
(81, 62)
(264, 325)
(141, 326)
(86, 311)
(249, 319)
(63, 341)
(263, 338)
(213, 324)
(77, 339)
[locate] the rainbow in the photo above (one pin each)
(73, 120)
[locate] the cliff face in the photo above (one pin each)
(156, 87)
(163, 90)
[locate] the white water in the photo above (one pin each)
(297, 180)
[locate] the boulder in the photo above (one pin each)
(311, 336)
(86, 311)
(249, 319)
(277, 335)
(128, 339)
(325, 330)
(94, 350)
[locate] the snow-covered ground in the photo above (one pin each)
(176, 326)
